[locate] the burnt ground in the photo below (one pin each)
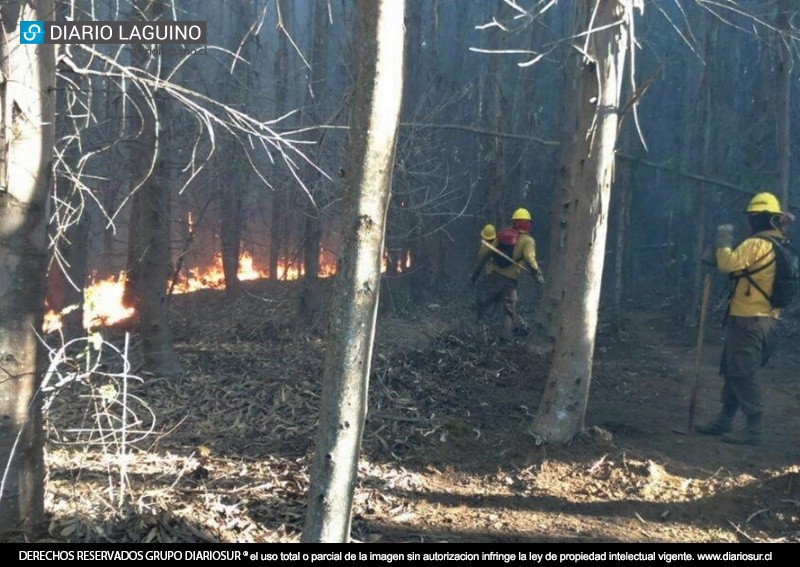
(223, 452)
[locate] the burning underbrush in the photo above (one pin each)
(229, 444)
(103, 297)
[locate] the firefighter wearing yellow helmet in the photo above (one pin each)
(764, 203)
(488, 233)
(488, 241)
(751, 317)
(512, 252)
(521, 214)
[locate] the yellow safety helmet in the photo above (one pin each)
(764, 203)
(488, 232)
(521, 214)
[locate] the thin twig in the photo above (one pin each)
(597, 464)
(754, 514)
(741, 532)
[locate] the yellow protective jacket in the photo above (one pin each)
(753, 253)
(483, 258)
(484, 247)
(524, 255)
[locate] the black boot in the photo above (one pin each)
(750, 436)
(721, 425)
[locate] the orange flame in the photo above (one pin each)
(102, 305)
(402, 264)
(103, 298)
(102, 302)
(213, 276)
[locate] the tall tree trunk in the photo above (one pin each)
(232, 169)
(312, 301)
(784, 103)
(317, 78)
(698, 197)
(150, 252)
(277, 240)
(230, 222)
(498, 188)
(561, 413)
(623, 189)
(414, 87)
(313, 234)
(347, 361)
(27, 116)
(691, 113)
(562, 208)
(275, 233)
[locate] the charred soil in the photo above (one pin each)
(446, 454)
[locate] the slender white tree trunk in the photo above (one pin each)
(27, 118)
(376, 112)
(560, 415)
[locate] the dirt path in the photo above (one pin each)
(631, 478)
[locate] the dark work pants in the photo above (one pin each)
(746, 341)
(497, 289)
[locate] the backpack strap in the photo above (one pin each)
(747, 274)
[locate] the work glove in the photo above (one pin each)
(785, 220)
(724, 236)
(539, 277)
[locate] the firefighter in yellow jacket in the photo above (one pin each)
(513, 251)
(488, 241)
(751, 318)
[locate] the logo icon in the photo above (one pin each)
(31, 31)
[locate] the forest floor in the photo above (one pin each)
(446, 454)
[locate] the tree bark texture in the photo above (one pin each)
(623, 202)
(27, 117)
(233, 169)
(278, 226)
(498, 188)
(348, 355)
(561, 413)
(231, 215)
(562, 207)
(414, 97)
(150, 252)
(313, 303)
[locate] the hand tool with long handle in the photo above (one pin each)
(699, 350)
(506, 256)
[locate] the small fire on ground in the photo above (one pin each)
(103, 304)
